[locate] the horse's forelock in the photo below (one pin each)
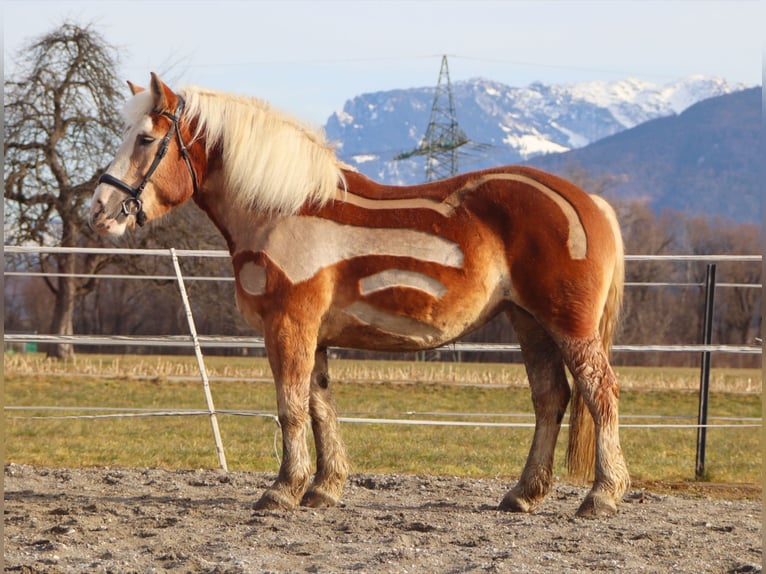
(137, 107)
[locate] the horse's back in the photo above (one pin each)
(359, 184)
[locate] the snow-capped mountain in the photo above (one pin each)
(505, 124)
(705, 161)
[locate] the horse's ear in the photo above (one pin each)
(160, 93)
(134, 89)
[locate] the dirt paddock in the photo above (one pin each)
(154, 520)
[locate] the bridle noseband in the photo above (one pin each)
(133, 205)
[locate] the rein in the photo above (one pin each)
(133, 205)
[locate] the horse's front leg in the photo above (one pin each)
(291, 355)
(332, 464)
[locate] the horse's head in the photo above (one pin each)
(153, 171)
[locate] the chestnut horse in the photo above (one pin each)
(324, 257)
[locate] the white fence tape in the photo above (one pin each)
(212, 341)
(197, 341)
(117, 412)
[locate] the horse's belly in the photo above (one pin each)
(378, 338)
(366, 325)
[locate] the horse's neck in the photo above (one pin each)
(236, 224)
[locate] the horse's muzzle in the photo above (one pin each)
(107, 219)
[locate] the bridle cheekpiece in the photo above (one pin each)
(133, 204)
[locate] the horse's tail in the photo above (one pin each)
(613, 306)
(581, 452)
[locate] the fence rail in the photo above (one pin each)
(222, 253)
(210, 341)
(218, 342)
(198, 341)
(231, 279)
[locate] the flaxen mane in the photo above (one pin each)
(275, 163)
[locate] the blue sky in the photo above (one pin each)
(308, 58)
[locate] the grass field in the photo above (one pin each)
(447, 391)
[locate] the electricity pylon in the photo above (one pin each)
(443, 135)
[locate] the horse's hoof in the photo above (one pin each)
(597, 505)
(512, 503)
(271, 500)
(318, 499)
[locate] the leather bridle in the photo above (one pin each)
(133, 205)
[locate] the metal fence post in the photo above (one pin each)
(707, 337)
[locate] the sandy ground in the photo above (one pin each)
(154, 520)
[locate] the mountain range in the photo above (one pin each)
(692, 144)
(706, 160)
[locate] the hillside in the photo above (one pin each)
(690, 144)
(706, 160)
(511, 124)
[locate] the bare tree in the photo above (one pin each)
(737, 309)
(61, 129)
(153, 306)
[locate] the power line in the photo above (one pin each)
(444, 137)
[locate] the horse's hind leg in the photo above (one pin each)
(550, 396)
(589, 365)
(332, 465)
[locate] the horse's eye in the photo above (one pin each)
(145, 140)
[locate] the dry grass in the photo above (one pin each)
(496, 393)
(162, 368)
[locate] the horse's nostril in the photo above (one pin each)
(97, 208)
